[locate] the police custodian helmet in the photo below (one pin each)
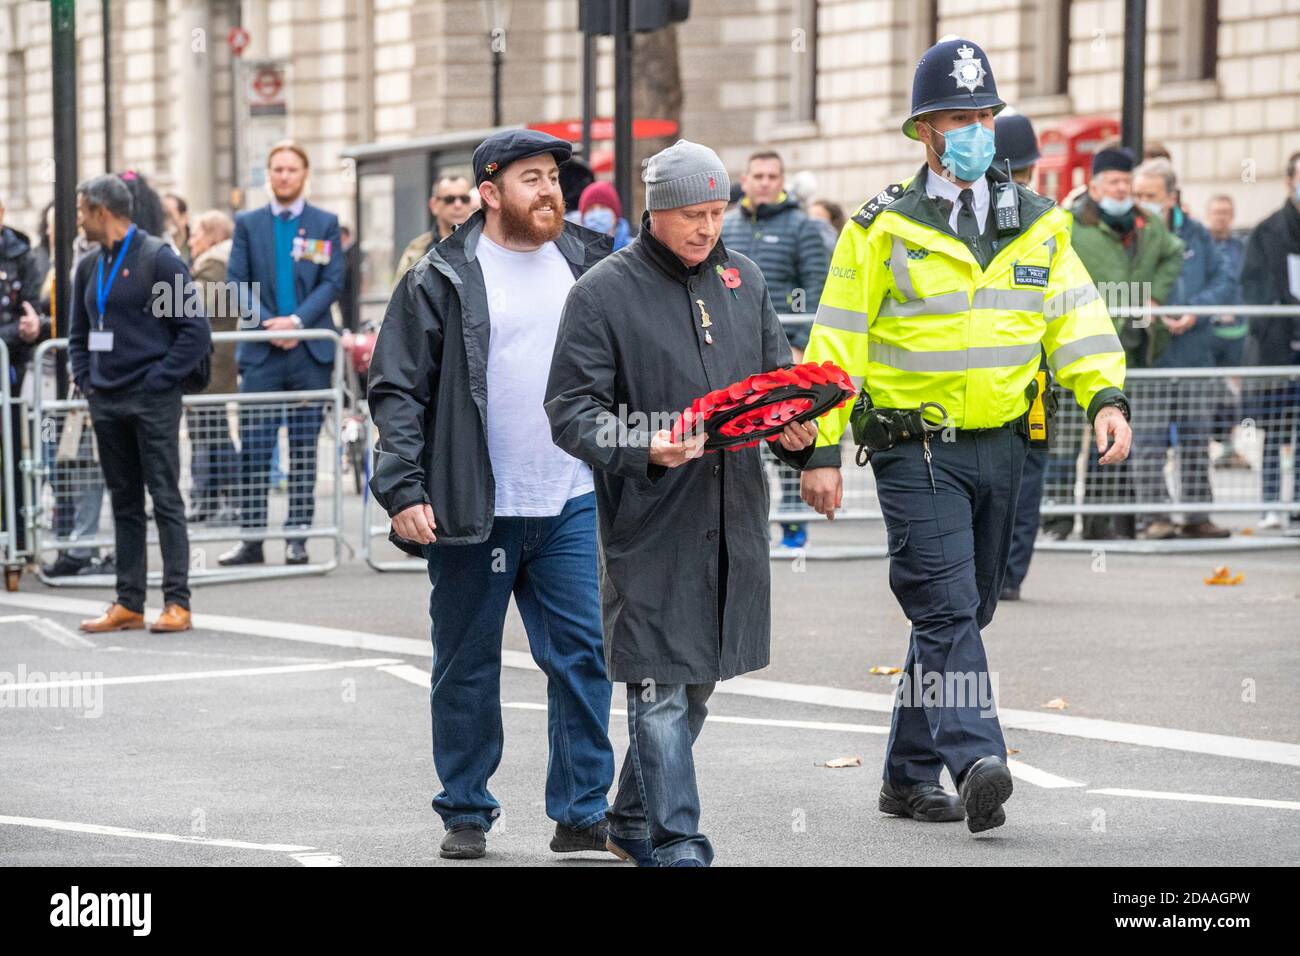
(1014, 142)
(954, 74)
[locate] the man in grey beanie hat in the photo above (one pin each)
(684, 535)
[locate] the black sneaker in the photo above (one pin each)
(464, 842)
(246, 552)
(984, 787)
(570, 840)
(64, 566)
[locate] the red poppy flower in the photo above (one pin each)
(730, 277)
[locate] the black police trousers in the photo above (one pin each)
(947, 560)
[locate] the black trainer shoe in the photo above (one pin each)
(928, 802)
(464, 842)
(984, 787)
(295, 552)
(570, 840)
(246, 552)
(64, 566)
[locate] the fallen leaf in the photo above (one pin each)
(839, 762)
(886, 671)
(1224, 576)
(1246, 531)
(1011, 751)
(1057, 703)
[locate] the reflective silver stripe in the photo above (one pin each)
(1009, 300)
(949, 303)
(957, 360)
(1069, 300)
(846, 320)
(1051, 249)
(898, 266)
(1082, 348)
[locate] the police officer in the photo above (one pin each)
(1015, 150)
(943, 292)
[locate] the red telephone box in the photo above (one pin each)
(1067, 150)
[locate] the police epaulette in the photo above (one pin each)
(873, 206)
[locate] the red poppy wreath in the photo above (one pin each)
(759, 407)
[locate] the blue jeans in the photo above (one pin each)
(259, 431)
(549, 565)
(657, 797)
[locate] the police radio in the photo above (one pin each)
(1006, 205)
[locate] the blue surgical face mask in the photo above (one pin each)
(967, 151)
(1115, 207)
(599, 220)
(1297, 192)
(1153, 209)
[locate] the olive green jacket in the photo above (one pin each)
(1123, 277)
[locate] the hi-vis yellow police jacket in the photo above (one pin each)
(907, 309)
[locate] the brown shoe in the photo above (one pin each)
(1158, 530)
(173, 618)
(116, 618)
(1204, 529)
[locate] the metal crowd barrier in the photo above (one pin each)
(1252, 413)
(10, 559)
(66, 487)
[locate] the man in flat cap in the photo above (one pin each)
(684, 535)
(466, 469)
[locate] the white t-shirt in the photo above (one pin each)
(526, 293)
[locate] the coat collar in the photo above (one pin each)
(572, 242)
(667, 260)
(582, 247)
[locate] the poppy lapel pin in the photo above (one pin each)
(730, 278)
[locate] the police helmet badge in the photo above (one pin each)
(968, 71)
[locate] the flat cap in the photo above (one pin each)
(501, 149)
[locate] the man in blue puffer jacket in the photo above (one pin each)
(1205, 280)
(768, 226)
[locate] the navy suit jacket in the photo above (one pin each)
(252, 259)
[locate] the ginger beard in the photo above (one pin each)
(525, 224)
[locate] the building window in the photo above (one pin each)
(915, 30)
(802, 106)
(1045, 33)
(1190, 40)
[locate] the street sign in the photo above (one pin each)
(603, 128)
(266, 91)
(237, 39)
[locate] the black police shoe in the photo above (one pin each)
(464, 842)
(572, 840)
(984, 787)
(1009, 593)
(65, 566)
(295, 552)
(246, 552)
(921, 801)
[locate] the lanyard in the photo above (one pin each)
(102, 290)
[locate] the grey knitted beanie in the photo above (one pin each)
(684, 174)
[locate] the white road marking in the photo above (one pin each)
(722, 718)
(58, 633)
(318, 859)
(100, 830)
(1039, 778)
(192, 675)
(17, 618)
(408, 673)
(1218, 745)
(1199, 798)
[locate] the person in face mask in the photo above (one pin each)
(944, 292)
(602, 212)
(1133, 259)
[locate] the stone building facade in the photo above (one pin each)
(824, 81)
